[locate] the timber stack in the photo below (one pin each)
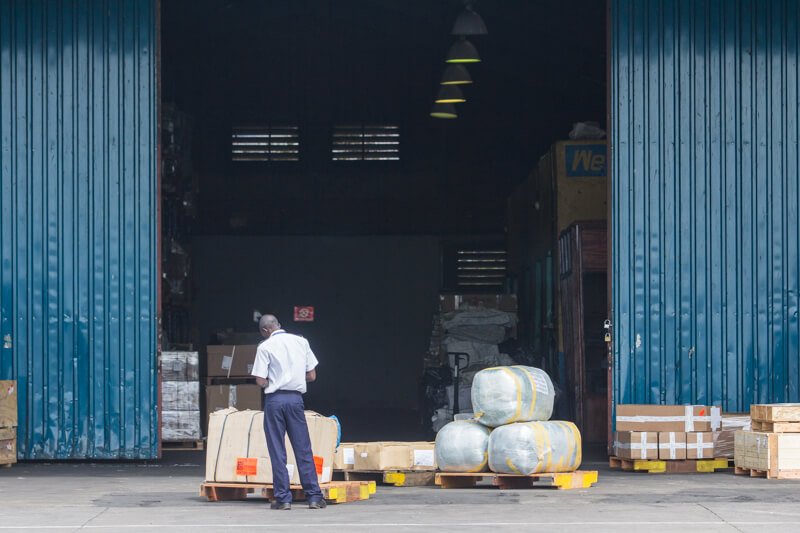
(772, 448)
(8, 423)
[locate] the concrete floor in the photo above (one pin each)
(163, 495)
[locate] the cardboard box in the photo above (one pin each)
(636, 444)
(180, 366)
(237, 448)
(453, 302)
(700, 445)
(8, 404)
(231, 361)
(685, 418)
(344, 458)
(671, 445)
(380, 456)
(8, 445)
(725, 437)
(242, 397)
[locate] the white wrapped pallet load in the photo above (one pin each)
(534, 447)
(506, 394)
(462, 446)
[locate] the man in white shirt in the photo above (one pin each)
(284, 363)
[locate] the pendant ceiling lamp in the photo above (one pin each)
(469, 23)
(463, 51)
(450, 94)
(444, 111)
(456, 75)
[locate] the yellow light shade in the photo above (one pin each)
(444, 111)
(456, 74)
(450, 94)
(463, 51)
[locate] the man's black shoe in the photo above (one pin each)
(318, 504)
(281, 506)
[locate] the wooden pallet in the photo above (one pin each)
(562, 480)
(333, 492)
(684, 466)
(189, 444)
(398, 478)
(776, 474)
(776, 427)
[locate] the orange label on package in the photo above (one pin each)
(246, 466)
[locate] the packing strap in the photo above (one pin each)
(643, 445)
(689, 419)
(233, 354)
(672, 446)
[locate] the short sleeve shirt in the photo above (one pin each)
(284, 359)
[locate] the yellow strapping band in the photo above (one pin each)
(547, 446)
(570, 443)
(485, 460)
(519, 394)
(533, 386)
(538, 438)
(511, 465)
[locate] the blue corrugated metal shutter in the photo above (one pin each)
(705, 110)
(78, 166)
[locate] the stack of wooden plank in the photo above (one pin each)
(8, 423)
(772, 448)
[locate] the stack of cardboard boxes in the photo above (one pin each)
(8, 422)
(229, 382)
(666, 432)
(180, 396)
(385, 456)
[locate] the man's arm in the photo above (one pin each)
(262, 382)
(311, 375)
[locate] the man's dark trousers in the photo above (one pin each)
(284, 413)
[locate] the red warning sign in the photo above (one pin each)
(304, 314)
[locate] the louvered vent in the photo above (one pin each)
(481, 268)
(366, 143)
(265, 143)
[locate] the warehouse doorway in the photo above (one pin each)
(304, 175)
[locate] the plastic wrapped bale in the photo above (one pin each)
(534, 447)
(506, 394)
(462, 446)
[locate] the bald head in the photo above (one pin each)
(268, 324)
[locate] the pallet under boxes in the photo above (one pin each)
(333, 492)
(681, 466)
(562, 480)
(770, 455)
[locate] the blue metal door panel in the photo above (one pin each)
(78, 279)
(705, 230)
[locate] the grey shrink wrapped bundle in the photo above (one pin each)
(462, 446)
(506, 394)
(533, 447)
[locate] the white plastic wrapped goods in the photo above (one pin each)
(506, 394)
(533, 447)
(462, 446)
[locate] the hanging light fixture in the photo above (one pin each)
(469, 23)
(444, 111)
(463, 51)
(450, 94)
(456, 75)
